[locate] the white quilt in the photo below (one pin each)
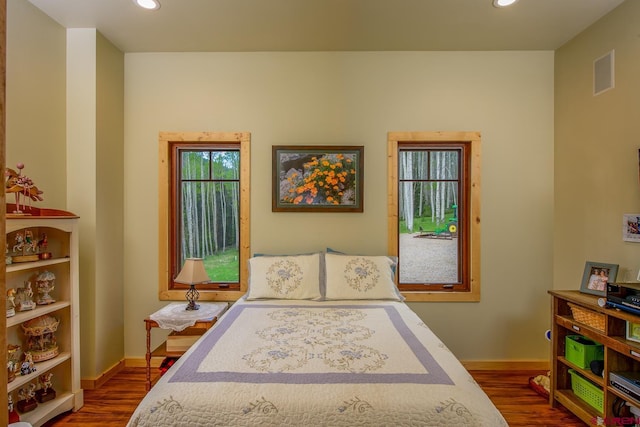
(310, 363)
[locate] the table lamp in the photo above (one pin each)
(192, 273)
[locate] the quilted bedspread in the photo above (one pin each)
(310, 363)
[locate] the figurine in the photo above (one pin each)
(11, 299)
(25, 248)
(12, 361)
(46, 391)
(24, 297)
(27, 400)
(19, 239)
(13, 414)
(41, 339)
(43, 243)
(45, 283)
(27, 365)
(7, 258)
(30, 245)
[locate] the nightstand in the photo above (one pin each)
(174, 317)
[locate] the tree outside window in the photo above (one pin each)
(209, 210)
(434, 224)
(204, 213)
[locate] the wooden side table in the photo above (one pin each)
(210, 312)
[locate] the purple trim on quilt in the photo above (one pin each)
(188, 371)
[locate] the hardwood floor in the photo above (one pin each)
(113, 403)
(518, 403)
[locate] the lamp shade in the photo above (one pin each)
(193, 272)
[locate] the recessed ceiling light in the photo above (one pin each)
(148, 4)
(503, 3)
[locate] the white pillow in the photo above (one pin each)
(284, 277)
(355, 277)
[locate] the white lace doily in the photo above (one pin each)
(175, 317)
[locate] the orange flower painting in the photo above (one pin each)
(317, 178)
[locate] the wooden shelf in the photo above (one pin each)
(45, 411)
(161, 351)
(23, 316)
(40, 368)
(573, 403)
(20, 266)
(620, 354)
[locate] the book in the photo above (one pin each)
(181, 341)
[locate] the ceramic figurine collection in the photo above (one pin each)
(29, 245)
(30, 394)
(26, 247)
(21, 299)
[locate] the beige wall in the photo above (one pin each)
(318, 98)
(95, 83)
(35, 96)
(110, 328)
(356, 98)
(65, 122)
(81, 154)
(596, 150)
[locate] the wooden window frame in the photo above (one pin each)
(167, 289)
(471, 269)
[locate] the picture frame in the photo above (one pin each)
(633, 331)
(317, 178)
(631, 228)
(596, 276)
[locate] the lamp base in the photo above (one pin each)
(192, 306)
(192, 297)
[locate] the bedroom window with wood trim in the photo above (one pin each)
(204, 180)
(434, 214)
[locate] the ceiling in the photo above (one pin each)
(330, 25)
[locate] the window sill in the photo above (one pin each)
(442, 296)
(208, 295)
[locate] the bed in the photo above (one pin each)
(324, 357)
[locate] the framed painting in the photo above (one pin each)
(596, 276)
(317, 178)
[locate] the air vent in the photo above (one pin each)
(603, 73)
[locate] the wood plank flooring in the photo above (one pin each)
(113, 403)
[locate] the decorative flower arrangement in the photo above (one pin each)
(329, 179)
(21, 185)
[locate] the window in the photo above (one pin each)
(204, 211)
(434, 214)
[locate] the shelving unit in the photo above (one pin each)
(61, 229)
(620, 354)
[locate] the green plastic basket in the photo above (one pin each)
(581, 351)
(586, 391)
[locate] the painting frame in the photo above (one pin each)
(302, 173)
(592, 281)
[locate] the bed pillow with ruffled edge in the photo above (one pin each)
(284, 277)
(393, 259)
(360, 277)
